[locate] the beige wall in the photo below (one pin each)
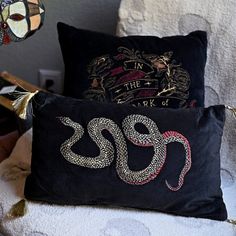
(42, 51)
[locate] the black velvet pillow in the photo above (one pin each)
(139, 70)
(108, 154)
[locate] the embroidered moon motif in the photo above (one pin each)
(153, 139)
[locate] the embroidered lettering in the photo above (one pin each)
(165, 103)
(138, 66)
(132, 85)
(118, 77)
(147, 103)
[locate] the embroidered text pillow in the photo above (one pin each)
(139, 70)
(161, 159)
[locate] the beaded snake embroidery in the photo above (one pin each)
(154, 138)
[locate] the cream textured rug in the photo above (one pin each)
(174, 17)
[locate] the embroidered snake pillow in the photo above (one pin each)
(138, 70)
(107, 154)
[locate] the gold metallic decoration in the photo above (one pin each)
(153, 139)
(21, 103)
(233, 222)
(232, 109)
(10, 95)
(140, 79)
(95, 128)
(18, 210)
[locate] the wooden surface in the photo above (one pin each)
(19, 82)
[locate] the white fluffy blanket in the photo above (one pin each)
(174, 17)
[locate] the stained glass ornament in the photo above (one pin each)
(19, 19)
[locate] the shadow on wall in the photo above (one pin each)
(42, 50)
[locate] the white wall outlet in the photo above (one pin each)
(51, 80)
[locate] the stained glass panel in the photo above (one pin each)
(19, 19)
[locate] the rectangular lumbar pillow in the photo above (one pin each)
(138, 70)
(107, 154)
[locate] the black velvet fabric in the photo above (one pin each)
(138, 70)
(55, 179)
